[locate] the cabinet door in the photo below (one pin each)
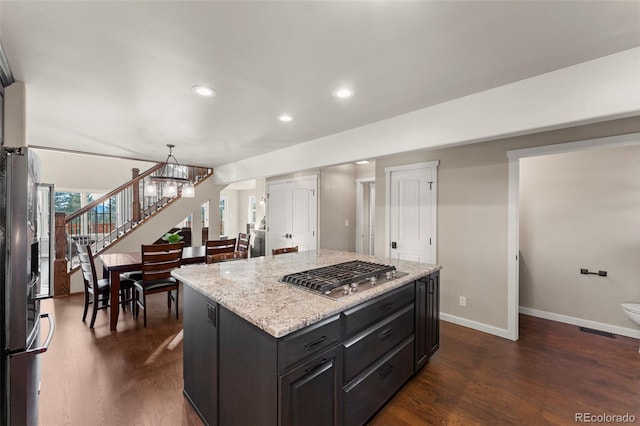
(309, 393)
(421, 356)
(433, 313)
(200, 320)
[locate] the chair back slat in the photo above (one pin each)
(87, 265)
(284, 250)
(220, 246)
(243, 242)
(159, 259)
(223, 257)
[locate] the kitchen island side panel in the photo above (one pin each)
(247, 371)
(200, 364)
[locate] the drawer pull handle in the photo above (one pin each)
(385, 334)
(386, 306)
(384, 373)
(315, 367)
(315, 342)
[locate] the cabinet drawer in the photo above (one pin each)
(308, 341)
(361, 316)
(364, 348)
(369, 391)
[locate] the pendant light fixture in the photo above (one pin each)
(171, 177)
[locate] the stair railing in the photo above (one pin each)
(103, 221)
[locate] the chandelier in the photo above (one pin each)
(172, 177)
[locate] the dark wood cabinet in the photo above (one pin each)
(309, 393)
(427, 313)
(433, 313)
(200, 360)
(340, 370)
(364, 396)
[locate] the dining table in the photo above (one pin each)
(115, 264)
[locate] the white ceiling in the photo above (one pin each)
(115, 77)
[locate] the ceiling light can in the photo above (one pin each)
(204, 90)
(343, 93)
(285, 118)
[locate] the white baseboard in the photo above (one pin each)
(485, 328)
(622, 331)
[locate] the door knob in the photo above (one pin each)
(394, 245)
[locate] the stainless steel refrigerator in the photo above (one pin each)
(21, 232)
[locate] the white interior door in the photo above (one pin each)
(292, 214)
(278, 216)
(412, 213)
(303, 217)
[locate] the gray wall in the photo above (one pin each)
(472, 215)
(337, 219)
(581, 210)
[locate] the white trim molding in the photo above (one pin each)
(480, 326)
(359, 211)
(621, 331)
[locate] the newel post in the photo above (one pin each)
(61, 282)
(135, 203)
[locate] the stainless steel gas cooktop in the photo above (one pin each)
(342, 279)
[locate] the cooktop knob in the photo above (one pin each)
(354, 287)
(373, 280)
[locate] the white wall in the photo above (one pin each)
(86, 173)
(581, 210)
(472, 217)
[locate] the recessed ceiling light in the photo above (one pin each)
(362, 162)
(285, 118)
(343, 93)
(204, 90)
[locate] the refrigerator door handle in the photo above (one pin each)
(45, 347)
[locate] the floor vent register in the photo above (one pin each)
(598, 332)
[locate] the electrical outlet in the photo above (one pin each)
(463, 301)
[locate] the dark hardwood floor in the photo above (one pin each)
(134, 375)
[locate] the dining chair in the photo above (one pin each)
(243, 243)
(284, 250)
(223, 257)
(157, 262)
(97, 292)
(220, 246)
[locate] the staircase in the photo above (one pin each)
(109, 219)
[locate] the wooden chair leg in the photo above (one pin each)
(86, 306)
(177, 295)
(93, 315)
(144, 307)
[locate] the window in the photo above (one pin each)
(68, 202)
(251, 209)
(224, 214)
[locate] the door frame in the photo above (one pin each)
(433, 165)
(513, 245)
(360, 183)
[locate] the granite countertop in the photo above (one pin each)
(251, 288)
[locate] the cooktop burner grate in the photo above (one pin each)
(327, 278)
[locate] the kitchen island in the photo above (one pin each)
(260, 351)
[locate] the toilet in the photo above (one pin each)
(632, 310)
